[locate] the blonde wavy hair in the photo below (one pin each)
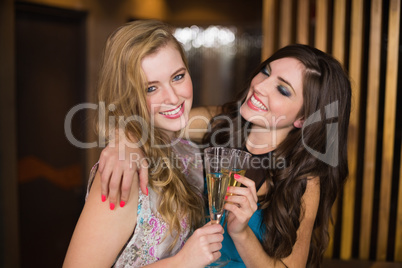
(122, 89)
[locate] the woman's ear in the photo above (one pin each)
(298, 123)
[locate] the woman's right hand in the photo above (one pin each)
(242, 204)
(202, 248)
(118, 163)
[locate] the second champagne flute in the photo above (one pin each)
(240, 162)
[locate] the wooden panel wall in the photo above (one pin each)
(365, 37)
(371, 127)
(355, 70)
(389, 127)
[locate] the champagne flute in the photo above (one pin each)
(240, 163)
(218, 161)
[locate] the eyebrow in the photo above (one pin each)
(289, 84)
(283, 80)
(174, 74)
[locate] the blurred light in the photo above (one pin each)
(213, 36)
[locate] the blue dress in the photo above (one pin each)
(229, 248)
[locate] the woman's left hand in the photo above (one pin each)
(242, 205)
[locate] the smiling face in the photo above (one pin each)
(169, 89)
(275, 97)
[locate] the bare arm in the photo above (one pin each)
(252, 252)
(198, 122)
(119, 163)
(101, 233)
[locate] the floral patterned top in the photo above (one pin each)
(150, 240)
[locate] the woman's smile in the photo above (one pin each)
(255, 104)
(174, 113)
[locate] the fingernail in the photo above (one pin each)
(122, 204)
(226, 197)
(146, 192)
(103, 198)
(227, 188)
(236, 176)
(111, 206)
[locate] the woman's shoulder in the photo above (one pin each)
(101, 222)
(311, 197)
(91, 178)
(313, 184)
(205, 111)
(185, 147)
(199, 118)
(190, 157)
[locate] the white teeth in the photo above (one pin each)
(257, 103)
(175, 111)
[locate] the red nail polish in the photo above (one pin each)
(103, 198)
(227, 188)
(122, 204)
(146, 192)
(226, 197)
(111, 206)
(236, 176)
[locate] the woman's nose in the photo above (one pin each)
(171, 96)
(262, 85)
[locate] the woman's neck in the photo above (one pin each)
(262, 140)
(170, 135)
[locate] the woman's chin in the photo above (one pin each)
(242, 111)
(247, 113)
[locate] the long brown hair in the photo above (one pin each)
(122, 92)
(319, 149)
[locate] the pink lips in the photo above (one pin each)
(174, 116)
(252, 106)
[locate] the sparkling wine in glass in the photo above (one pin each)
(217, 183)
(218, 161)
(240, 162)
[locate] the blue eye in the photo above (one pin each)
(151, 89)
(283, 90)
(178, 77)
(265, 70)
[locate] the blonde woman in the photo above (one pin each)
(145, 89)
